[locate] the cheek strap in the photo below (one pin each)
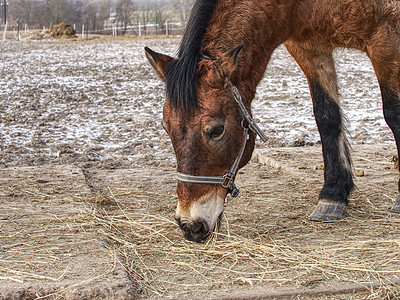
(227, 181)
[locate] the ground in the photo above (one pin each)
(87, 186)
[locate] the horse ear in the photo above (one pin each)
(158, 61)
(232, 58)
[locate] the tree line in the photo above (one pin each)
(98, 16)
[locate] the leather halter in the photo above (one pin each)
(227, 181)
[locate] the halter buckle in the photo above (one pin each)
(229, 184)
(228, 180)
(235, 191)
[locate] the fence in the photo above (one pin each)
(11, 30)
(139, 29)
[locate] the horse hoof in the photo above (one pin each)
(328, 212)
(396, 206)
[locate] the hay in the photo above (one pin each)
(156, 256)
(58, 31)
(265, 240)
(42, 231)
(62, 30)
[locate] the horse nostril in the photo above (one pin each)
(198, 228)
(195, 231)
(182, 225)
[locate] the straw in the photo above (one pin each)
(156, 255)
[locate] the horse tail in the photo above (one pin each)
(180, 74)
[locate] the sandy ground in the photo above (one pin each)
(48, 245)
(87, 186)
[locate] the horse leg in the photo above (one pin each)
(318, 66)
(385, 57)
(391, 111)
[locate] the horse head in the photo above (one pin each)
(208, 138)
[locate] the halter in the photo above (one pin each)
(227, 181)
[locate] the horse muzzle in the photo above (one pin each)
(198, 231)
(195, 231)
(202, 217)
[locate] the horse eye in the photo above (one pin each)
(216, 132)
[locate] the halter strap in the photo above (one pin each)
(228, 180)
(246, 116)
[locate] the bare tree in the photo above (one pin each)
(144, 14)
(78, 12)
(38, 14)
(91, 15)
(160, 8)
(104, 13)
(124, 11)
(22, 10)
(97, 12)
(58, 11)
(183, 6)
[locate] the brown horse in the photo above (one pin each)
(227, 45)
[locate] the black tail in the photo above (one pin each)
(181, 75)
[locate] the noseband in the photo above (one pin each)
(227, 181)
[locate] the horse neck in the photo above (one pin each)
(260, 26)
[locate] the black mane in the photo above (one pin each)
(180, 74)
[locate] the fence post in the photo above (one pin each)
(156, 25)
(87, 28)
(5, 32)
(18, 36)
(166, 27)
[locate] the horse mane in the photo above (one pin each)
(181, 74)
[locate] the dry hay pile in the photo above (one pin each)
(38, 35)
(62, 30)
(267, 251)
(59, 31)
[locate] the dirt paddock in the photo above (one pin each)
(61, 240)
(87, 189)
